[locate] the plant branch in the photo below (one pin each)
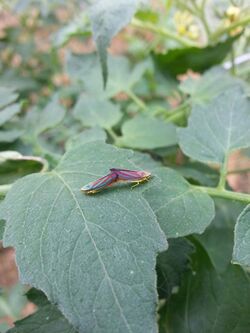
(136, 99)
(179, 112)
(163, 32)
(221, 31)
(113, 135)
(223, 174)
(232, 172)
(225, 194)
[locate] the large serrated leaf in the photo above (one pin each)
(218, 128)
(241, 252)
(209, 301)
(94, 256)
(108, 18)
(181, 209)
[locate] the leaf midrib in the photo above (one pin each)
(97, 251)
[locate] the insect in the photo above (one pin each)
(116, 175)
(99, 184)
(132, 176)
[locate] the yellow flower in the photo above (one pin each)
(185, 25)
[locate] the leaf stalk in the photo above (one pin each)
(224, 194)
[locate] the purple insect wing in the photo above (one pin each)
(130, 175)
(100, 183)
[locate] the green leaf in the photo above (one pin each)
(94, 256)
(7, 96)
(39, 121)
(147, 133)
(199, 173)
(47, 318)
(218, 128)
(12, 301)
(204, 89)
(210, 302)
(108, 18)
(14, 165)
(171, 265)
(88, 135)
(10, 135)
(96, 111)
(181, 209)
(218, 237)
(241, 251)
(8, 112)
(78, 27)
(122, 78)
(3, 327)
(178, 61)
(2, 225)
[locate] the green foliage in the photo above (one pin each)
(13, 165)
(46, 319)
(104, 260)
(213, 83)
(178, 61)
(2, 224)
(147, 133)
(93, 111)
(9, 131)
(12, 301)
(38, 121)
(100, 259)
(171, 265)
(215, 130)
(108, 18)
(206, 295)
(181, 209)
(241, 246)
(88, 135)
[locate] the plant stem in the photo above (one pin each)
(6, 309)
(205, 23)
(223, 174)
(232, 172)
(137, 100)
(221, 31)
(4, 189)
(112, 134)
(179, 112)
(225, 194)
(163, 31)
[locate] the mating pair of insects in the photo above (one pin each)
(116, 175)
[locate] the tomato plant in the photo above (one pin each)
(168, 255)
